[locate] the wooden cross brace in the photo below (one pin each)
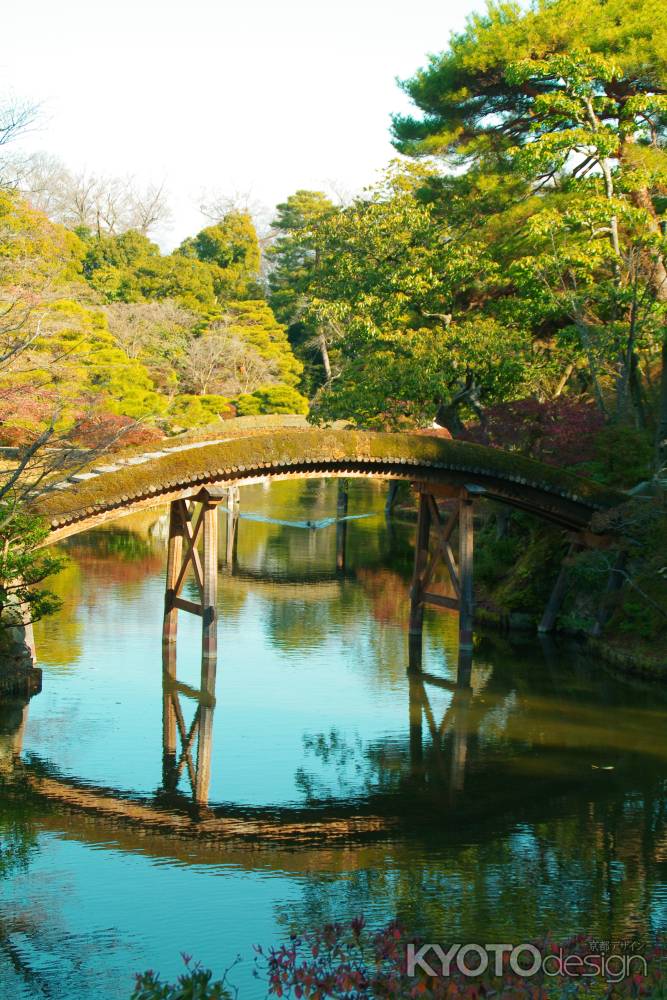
(175, 731)
(454, 721)
(183, 556)
(428, 559)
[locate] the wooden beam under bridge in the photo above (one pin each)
(431, 527)
(183, 557)
(189, 531)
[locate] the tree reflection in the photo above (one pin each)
(522, 796)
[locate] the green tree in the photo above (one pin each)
(395, 281)
(130, 268)
(572, 95)
(293, 257)
(231, 249)
(76, 357)
(23, 565)
(253, 322)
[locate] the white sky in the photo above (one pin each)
(227, 96)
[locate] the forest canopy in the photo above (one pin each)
(514, 251)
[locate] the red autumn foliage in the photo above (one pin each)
(109, 428)
(561, 431)
(346, 961)
(388, 592)
(23, 415)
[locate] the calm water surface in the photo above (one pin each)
(531, 801)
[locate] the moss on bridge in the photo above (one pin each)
(266, 453)
(232, 427)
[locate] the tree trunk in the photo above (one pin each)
(637, 393)
(448, 413)
(324, 350)
(448, 417)
(659, 285)
(661, 430)
(658, 281)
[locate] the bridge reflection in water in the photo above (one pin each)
(187, 748)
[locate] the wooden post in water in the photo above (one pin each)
(464, 666)
(461, 710)
(222, 557)
(209, 582)
(466, 596)
(427, 561)
(415, 694)
(183, 556)
(204, 746)
(176, 759)
(341, 523)
(168, 716)
(174, 561)
(205, 734)
(421, 562)
(392, 494)
(231, 540)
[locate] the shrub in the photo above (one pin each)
(195, 983)
(560, 431)
(623, 455)
(271, 399)
(346, 962)
(193, 411)
(247, 405)
(495, 557)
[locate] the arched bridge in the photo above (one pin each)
(188, 471)
(204, 471)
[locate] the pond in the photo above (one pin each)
(327, 782)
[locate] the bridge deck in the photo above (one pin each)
(553, 494)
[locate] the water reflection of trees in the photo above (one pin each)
(485, 842)
(122, 556)
(269, 556)
(509, 818)
(59, 639)
(17, 837)
(530, 834)
(593, 870)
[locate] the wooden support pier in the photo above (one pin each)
(232, 533)
(183, 556)
(428, 559)
(193, 555)
(341, 524)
